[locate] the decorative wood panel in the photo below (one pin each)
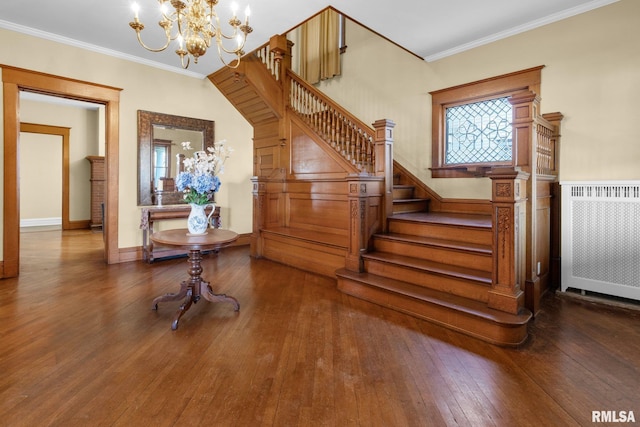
(309, 158)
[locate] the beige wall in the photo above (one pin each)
(40, 171)
(592, 64)
(151, 89)
(591, 76)
(83, 141)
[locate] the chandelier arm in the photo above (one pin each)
(185, 66)
(227, 64)
(160, 49)
(235, 51)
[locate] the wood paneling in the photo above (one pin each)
(311, 160)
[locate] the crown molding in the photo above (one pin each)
(520, 29)
(93, 48)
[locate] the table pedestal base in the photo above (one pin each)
(193, 289)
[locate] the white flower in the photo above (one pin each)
(201, 171)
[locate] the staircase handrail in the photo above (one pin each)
(340, 129)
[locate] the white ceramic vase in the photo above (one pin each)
(198, 220)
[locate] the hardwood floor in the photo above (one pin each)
(80, 346)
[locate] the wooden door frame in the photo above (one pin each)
(64, 133)
(13, 81)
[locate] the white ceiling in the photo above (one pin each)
(431, 29)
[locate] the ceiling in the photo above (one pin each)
(431, 29)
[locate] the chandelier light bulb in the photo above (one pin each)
(136, 9)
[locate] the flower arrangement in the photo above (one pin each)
(200, 180)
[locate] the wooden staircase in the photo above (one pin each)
(436, 266)
(405, 201)
(314, 161)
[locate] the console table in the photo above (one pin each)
(150, 214)
(195, 287)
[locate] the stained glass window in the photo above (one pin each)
(479, 132)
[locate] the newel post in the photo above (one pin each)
(365, 216)
(508, 202)
(259, 194)
(383, 166)
(357, 223)
(281, 48)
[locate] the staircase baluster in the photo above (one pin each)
(345, 136)
(314, 108)
(333, 128)
(359, 155)
(339, 133)
(325, 121)
(294, 96)
(349, 139)
(307, 105)
(318, 116)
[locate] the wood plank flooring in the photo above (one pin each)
(80, 346)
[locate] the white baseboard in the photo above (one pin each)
(40, 222)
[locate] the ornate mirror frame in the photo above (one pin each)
(146, 121)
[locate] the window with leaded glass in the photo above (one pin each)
(479, 132)
(472, 124)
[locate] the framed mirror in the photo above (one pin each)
(160, 153)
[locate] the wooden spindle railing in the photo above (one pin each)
(545, 147)
(346, 134)
(548, 143)
(269, 59)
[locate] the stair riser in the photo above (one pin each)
(412, 206)
(495, 333)
(403, 193)
(462, 287)
(441, 231)
(477, 261)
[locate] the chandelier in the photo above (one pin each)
(196, 25)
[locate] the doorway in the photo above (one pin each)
(16, 80)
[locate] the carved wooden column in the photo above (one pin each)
(526, 107)
(509, 252)
(259, 212)
(365, 217)
(357, 221)
(281, 49)
(383, 166)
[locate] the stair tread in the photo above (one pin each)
(431, 266)
(410, 200)
(337, 240)
(432, 241)
(456, 219)
(455, 302)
